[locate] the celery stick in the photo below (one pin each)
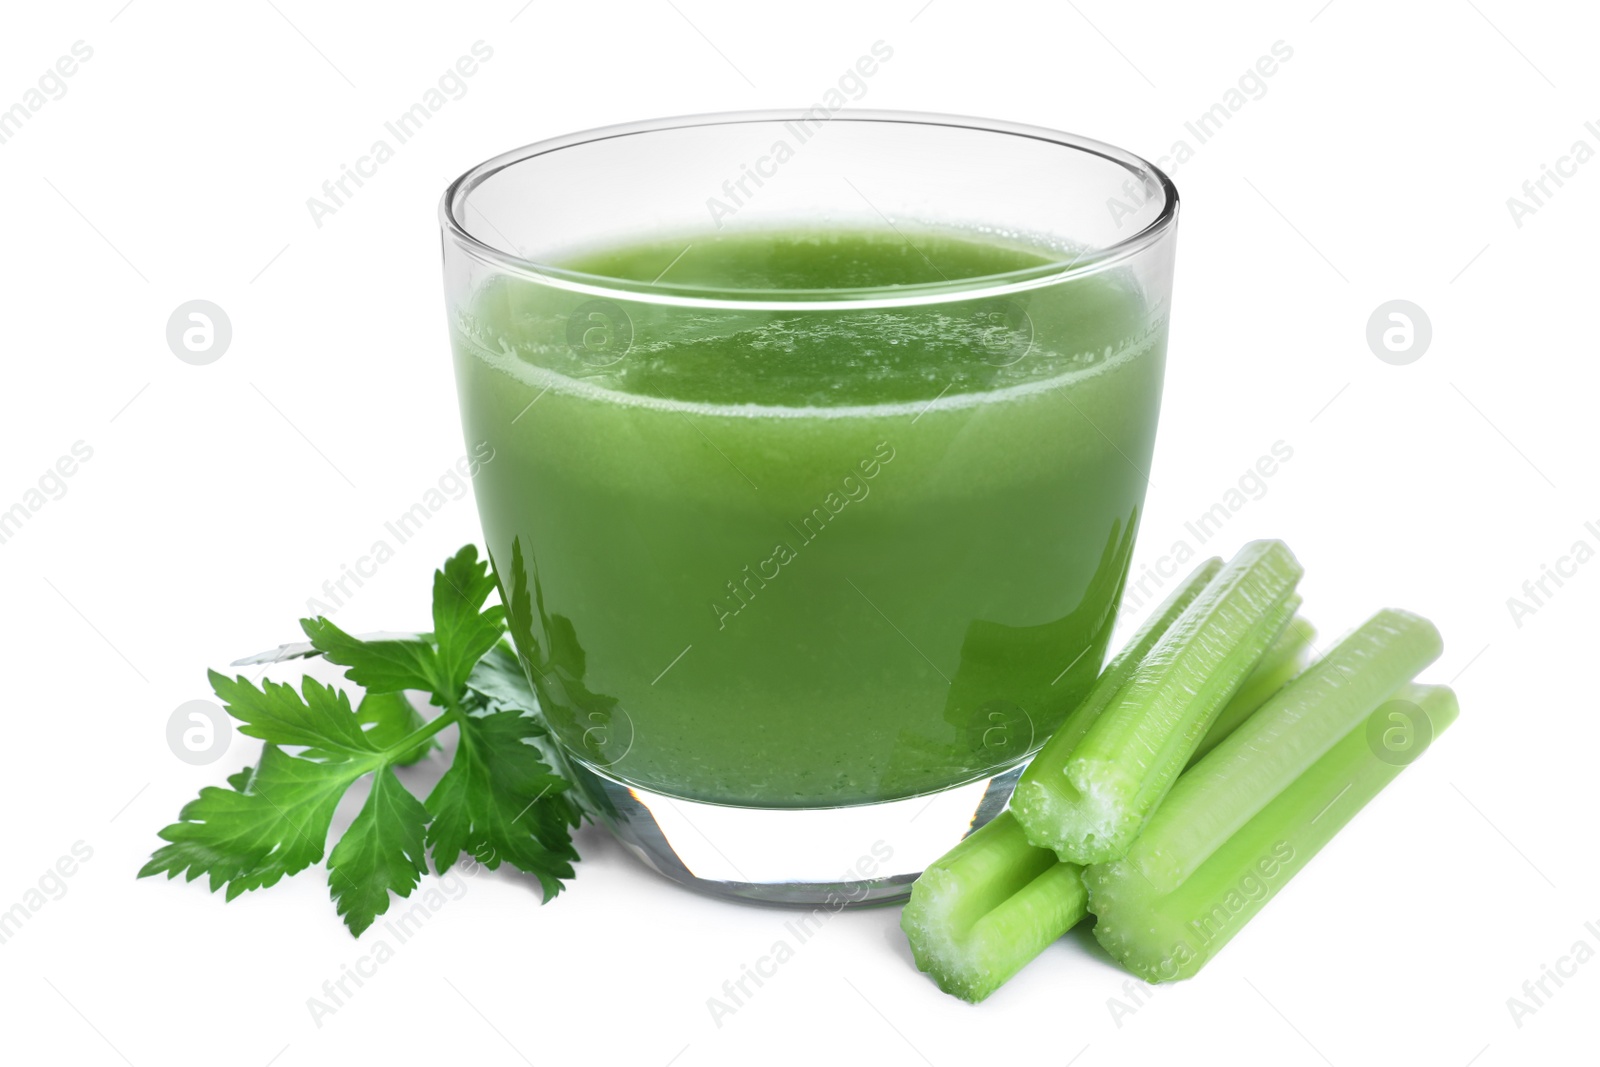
(1298, 792)
(1243, 773)
(966, 909)
(989, 906)
(1122, 665)
(1087, 796)
(1038, 797)
(1287, 657)
(1161, 938)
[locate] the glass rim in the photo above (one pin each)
(453, 203)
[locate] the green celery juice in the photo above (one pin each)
(800, 557)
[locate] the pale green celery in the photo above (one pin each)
(1287, 657)
(1088, 794)
(1036, 794)
(1243, 773)
(1250, 815)
(988, 907)
(1121, 668)
(994, 902)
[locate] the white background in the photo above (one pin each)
(219, 498)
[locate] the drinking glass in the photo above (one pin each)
(809, 538)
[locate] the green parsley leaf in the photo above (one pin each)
(463, 629)
(500, 802)
(377, 666)
(499, 680)
(381, 853)
(276, 713)
(250, 838)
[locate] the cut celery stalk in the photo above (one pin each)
(1123, 664)
(1088, 794)
(1273, 747)
(994, 902)
(1287, 657)
(988, 907)
(1038, 797)
(1161, 931)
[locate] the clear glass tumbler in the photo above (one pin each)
(817, 446)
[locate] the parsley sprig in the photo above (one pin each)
(500, 801)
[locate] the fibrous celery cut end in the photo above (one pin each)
(1038, 808)
(1096, 827)
(938, 948)
(980, 913)
(1077, 814)
(1131, 927)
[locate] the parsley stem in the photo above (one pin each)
(422, 733)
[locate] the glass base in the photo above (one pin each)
(861, 854)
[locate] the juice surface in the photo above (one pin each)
(801, 558)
